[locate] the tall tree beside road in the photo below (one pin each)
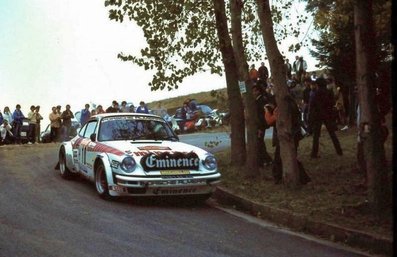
(233, 90)
(335, 47)
(370, 119)
(284, 126)
(236, 7)
(182, 41)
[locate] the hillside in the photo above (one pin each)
(215, 99)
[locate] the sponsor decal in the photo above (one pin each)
(173, 191)
(154, 147)
(170, 161)
(174, 172)
(102, 148)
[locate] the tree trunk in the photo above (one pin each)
(238, 152)
(370, 123)
(284, 126)
(251, 111)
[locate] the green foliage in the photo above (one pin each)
(334, 19)
(182, 39)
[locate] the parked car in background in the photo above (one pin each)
(45, 136)
(132, 154)
(168, 118)
(204, 117)
(25, 131)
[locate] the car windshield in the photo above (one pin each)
(134, 128)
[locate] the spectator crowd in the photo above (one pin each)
(16, 128)
(313, 102)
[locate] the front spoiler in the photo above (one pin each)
(143, 186)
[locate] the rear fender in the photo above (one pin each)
(69, 155)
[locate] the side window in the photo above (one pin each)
(81, 131)
(90, 129)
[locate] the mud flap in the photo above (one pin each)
(57, 166)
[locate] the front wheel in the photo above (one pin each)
(101, 183)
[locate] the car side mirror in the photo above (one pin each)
(93, 137)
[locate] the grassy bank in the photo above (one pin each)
(336, 193)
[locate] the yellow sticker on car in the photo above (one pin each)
(174, 172)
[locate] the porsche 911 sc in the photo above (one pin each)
(131, 154)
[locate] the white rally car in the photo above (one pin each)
(137, 155)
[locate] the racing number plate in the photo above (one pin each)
(174, 172)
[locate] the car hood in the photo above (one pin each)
(143, 147)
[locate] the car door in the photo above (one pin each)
(85, 157)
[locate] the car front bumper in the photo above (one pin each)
(164, 185)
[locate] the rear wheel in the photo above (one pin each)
(65, 172)
(101, 183)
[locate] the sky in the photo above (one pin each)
(65, 52)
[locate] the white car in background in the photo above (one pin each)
(130, 154)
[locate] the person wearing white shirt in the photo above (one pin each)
(6, 136)
(7, 115)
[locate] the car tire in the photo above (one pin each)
(63, 169)
(101, 183)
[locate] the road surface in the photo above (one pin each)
(43, 215)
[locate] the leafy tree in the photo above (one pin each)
(284, 124)
(370, 117)
(359, 30)
(335, 48)
(182, 40)
(230, 64)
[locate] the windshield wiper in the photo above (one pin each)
(171, 138)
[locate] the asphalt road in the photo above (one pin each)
(43, 215)
(213, 142)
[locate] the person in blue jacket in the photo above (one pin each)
(17, 117)
(142, 108)
(85, 114)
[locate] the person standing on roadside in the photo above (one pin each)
(261, 99)
(6, 135)
(85, 114)
(301, 67)
(32, 116)
(142, 108)
(17, 117)
(38, 121)
(305, 103)
(253, 74)
(7, 115)
(99, 109)
(114, 107)
(55, 121)
(124, 107)
(263, 75)
(321, 112)
(288, 69)
(271, 114)
(66, 116)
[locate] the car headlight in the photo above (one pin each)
(210, 162)
(128, 164)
